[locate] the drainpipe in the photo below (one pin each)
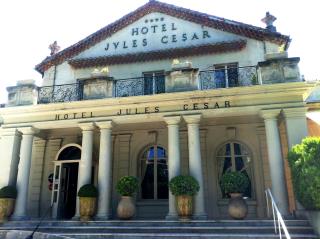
(54, 81)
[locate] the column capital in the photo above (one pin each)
(105, 124)
(28, 130)
(87, 126)
(172, 120)
(9, 132)
(192, 119)
(270, 114)
(299, 112)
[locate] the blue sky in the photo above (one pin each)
(28, 27)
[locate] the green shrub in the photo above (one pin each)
(127, 185)
(304, 161)
(234, 182)
(88, 190)
(8, 192)
(184, 185)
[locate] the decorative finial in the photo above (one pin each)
(54, 48)
(268, 20)
(175, 62)
(100, 72)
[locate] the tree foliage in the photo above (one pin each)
(8, 192)
(234, 182)
(88, 190)
(184, 185)
(127, 185)
(304, 160)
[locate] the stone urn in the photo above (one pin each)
(6, 208)
(87, 208)
(184, 206)
(126, 208)
(237, 208)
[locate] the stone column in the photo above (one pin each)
(9, 160)
(105, 170)
(20, 211)
(195, 163)
(85, 165)
(174, 164)
(296, 125)
(276, 166)
(296, 129)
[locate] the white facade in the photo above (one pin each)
(110, 136)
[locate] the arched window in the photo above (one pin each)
(234, 156)
(70, 153)
(154, 173)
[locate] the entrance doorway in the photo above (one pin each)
(65, 179)
(68, 190)
(153, 197)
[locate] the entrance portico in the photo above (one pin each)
(199, 142)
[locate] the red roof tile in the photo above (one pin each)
(182, 13)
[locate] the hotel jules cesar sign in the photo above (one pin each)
(156, 32)
(144, 110)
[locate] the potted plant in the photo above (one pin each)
(8, 196)
(235, 184)
(87, 194)
(127, 186)
(184, 188)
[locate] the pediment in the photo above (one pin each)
(190, 28)
(157, 31)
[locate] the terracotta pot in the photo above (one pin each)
(184, 206)
(126, 208)
(237, 208)
(87, 208)
(6, 208)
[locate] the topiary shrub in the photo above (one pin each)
(234, 182)
(304, 161)
(184, 185)
(127, 186)
(88, 190)
(8, 192)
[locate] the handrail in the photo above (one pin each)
(276, 216)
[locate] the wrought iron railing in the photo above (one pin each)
(278, 221)
(222, 77)
(59, 93)
(227, 77)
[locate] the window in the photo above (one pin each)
(226, 75)
(235, 157)
(154, 82)
(154, 173)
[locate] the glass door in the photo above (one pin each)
(56, 189)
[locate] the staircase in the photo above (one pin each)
(154, 229)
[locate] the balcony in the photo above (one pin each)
(186, 79)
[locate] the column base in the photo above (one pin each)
(76, 217)
(200, 217)
(102, 217)
(172, 217)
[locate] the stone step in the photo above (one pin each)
(158, 223)
(37, 235)
(181, 236)
(140, 229)
(159, 229)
